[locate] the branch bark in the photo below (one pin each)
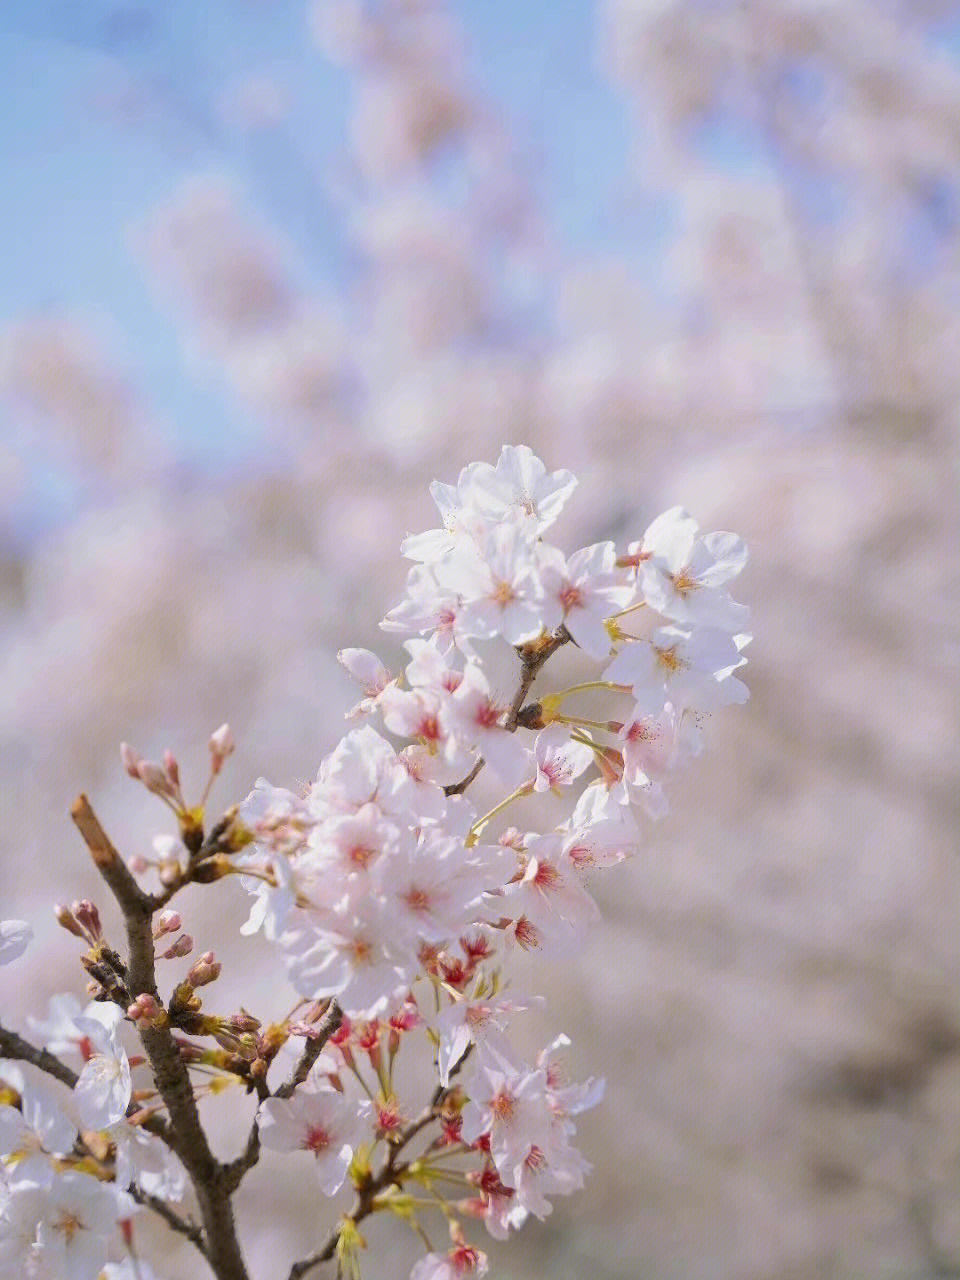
(188, 1138)
(14, 1046)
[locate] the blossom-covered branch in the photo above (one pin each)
(399, 910)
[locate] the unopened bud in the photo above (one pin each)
(146, 1011)
(243, 1021)
(182, 947)
(137, 864)
(221, 745)
(66, 921)
(206, 968)
(245, 1046)
(169, 873)
(154, 779)
(172, 768)
(166, 922)
(130, 759)
(88, 918)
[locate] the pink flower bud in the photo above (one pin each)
(172, 768)
(88, 918)
(154, 778)
(221, 745)
(145, 1009)
(206, 968)
(166, 922)
(169, 872)
(182, 947)
(130, 759)
(243, 1022)
(137, 864)
(66, 920)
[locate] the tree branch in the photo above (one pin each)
(236, 1170)
(14, 1046)
(188, 1138)
(332, 1017)
(183, 1226)
(532, 658)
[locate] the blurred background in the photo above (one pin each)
(271, 267)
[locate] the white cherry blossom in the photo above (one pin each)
(501, 588)
(77, 1219)
(560, 758)
(104, 1087)
(521, 485)
(369, 672)
(320, 1121)
(462, 1260)
(511, 1107)
(688, 668)
(481, 1021)
(477, 717)
(683, 572)
(588, 587)
(38, 1128)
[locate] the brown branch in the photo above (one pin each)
(188, 1138)
(236, 1170)
(183, 1226)
(332, 1017)
(14, 1046)
(532, 658)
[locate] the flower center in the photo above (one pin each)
(503, 593)
(683, 583)
(502, 1106)
(69, 1224)
(571, 597)
(316, 1139)
(669, 659)
(417, 899)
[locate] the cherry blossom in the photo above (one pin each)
(320, 1121)
(560, 758)
(683, 571)
(481, 1021)
(103, 1089)
(689, 668)
(589, 588)
(370, 673)
(397, 908)
(462, 1260)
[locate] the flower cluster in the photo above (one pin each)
(397, 908)
(379, 882)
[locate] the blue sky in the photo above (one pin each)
(110, 104)
(82, 180)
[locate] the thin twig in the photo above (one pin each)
(236, 1170)
(531, 661)
(14, 1046)
(183, 1226)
